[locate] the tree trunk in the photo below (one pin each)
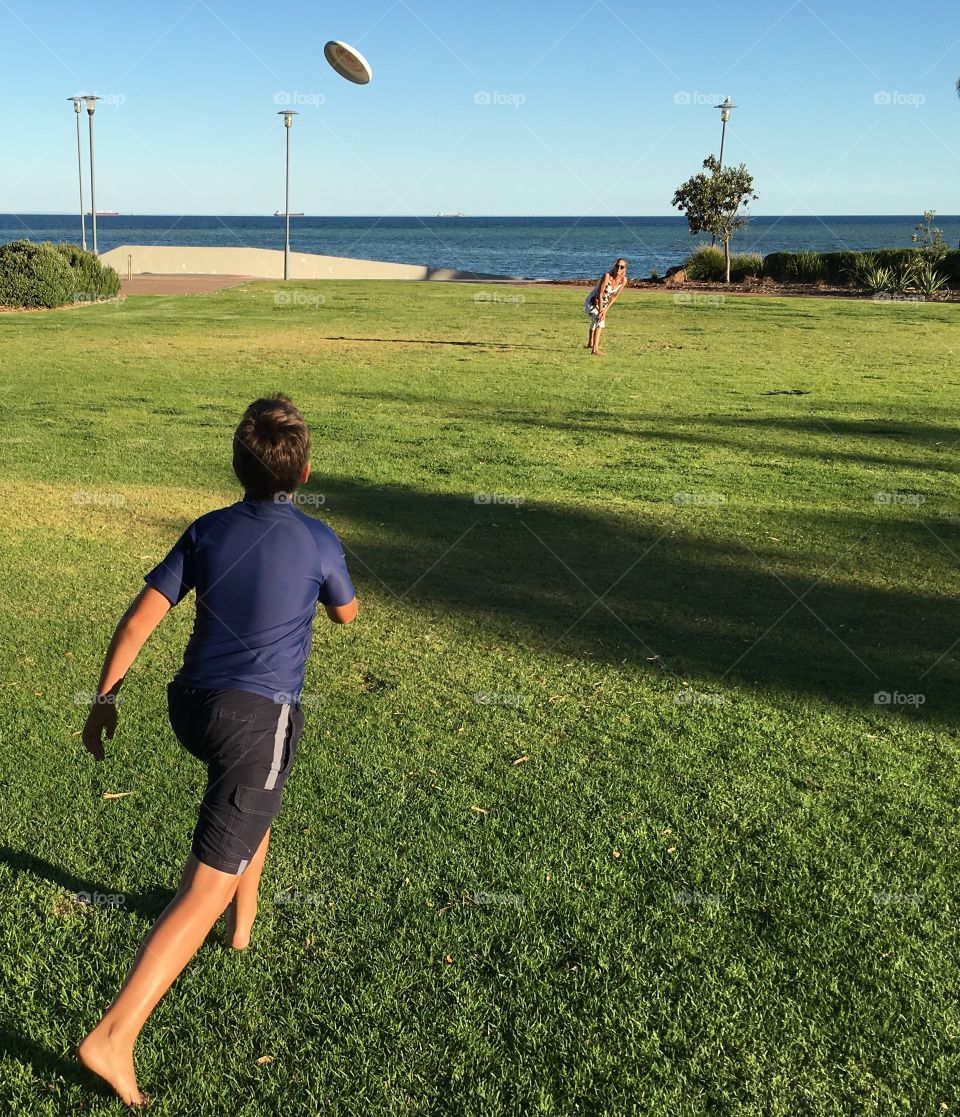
(726, 256)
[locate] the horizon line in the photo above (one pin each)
(477, 216)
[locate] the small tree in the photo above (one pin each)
(930, 238)
(712, 202)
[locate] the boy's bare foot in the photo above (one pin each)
(113, 1062)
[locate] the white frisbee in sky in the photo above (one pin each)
(348, 62)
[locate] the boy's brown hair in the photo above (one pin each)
(271, 447)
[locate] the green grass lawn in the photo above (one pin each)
(595, 811)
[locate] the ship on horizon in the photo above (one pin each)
(460, 214)
(282, 213)
(105, 213)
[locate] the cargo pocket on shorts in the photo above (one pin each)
(257, 800)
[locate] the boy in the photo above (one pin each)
(259, 567)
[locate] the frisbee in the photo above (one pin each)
(348, 62)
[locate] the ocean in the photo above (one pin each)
(533, 247)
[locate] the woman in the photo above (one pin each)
(600, 299)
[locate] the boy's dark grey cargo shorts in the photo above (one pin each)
(249, 744)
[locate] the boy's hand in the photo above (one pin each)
(145, 612)
(102, 716)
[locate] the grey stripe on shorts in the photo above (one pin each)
(278, 741)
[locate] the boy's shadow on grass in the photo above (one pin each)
(821, 616)
(147, 904)
(47, 1064)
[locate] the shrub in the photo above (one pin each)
(706, 263)
(842, 267)
(932, 245)
(896, 257)
(92, 279)
(950, 267)
(926, 279)
(34, 275)
(806, 267)
(50, 275)
(878, 279)
(744, 265)
(793, 267)
(903, 278)
(775, 265)
(863, 267)
(856, 266)
(918, 275)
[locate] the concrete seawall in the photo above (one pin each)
(267, 263)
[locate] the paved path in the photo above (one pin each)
(178, 284)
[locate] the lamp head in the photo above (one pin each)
(288, 115)
(91, 99)
(725, 107)
(76, 103)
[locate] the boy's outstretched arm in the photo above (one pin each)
(146, 611)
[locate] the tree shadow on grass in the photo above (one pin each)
(927, 434)
(752, 443)
(676, 598)
(439, 341)
(912, 433)
(696, 430)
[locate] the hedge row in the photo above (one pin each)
(838, 268)
(48, 274)
(833, 267)
(845, 267)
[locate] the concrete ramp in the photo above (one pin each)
(266, 263)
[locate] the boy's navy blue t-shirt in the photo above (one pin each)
(259, 568)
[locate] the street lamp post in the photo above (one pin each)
(83, 224)
(288, 115)
(724, 107)
(91, 100)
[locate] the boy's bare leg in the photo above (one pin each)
(172, 941)
(243, 907)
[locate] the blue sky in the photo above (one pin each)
(553, 107)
